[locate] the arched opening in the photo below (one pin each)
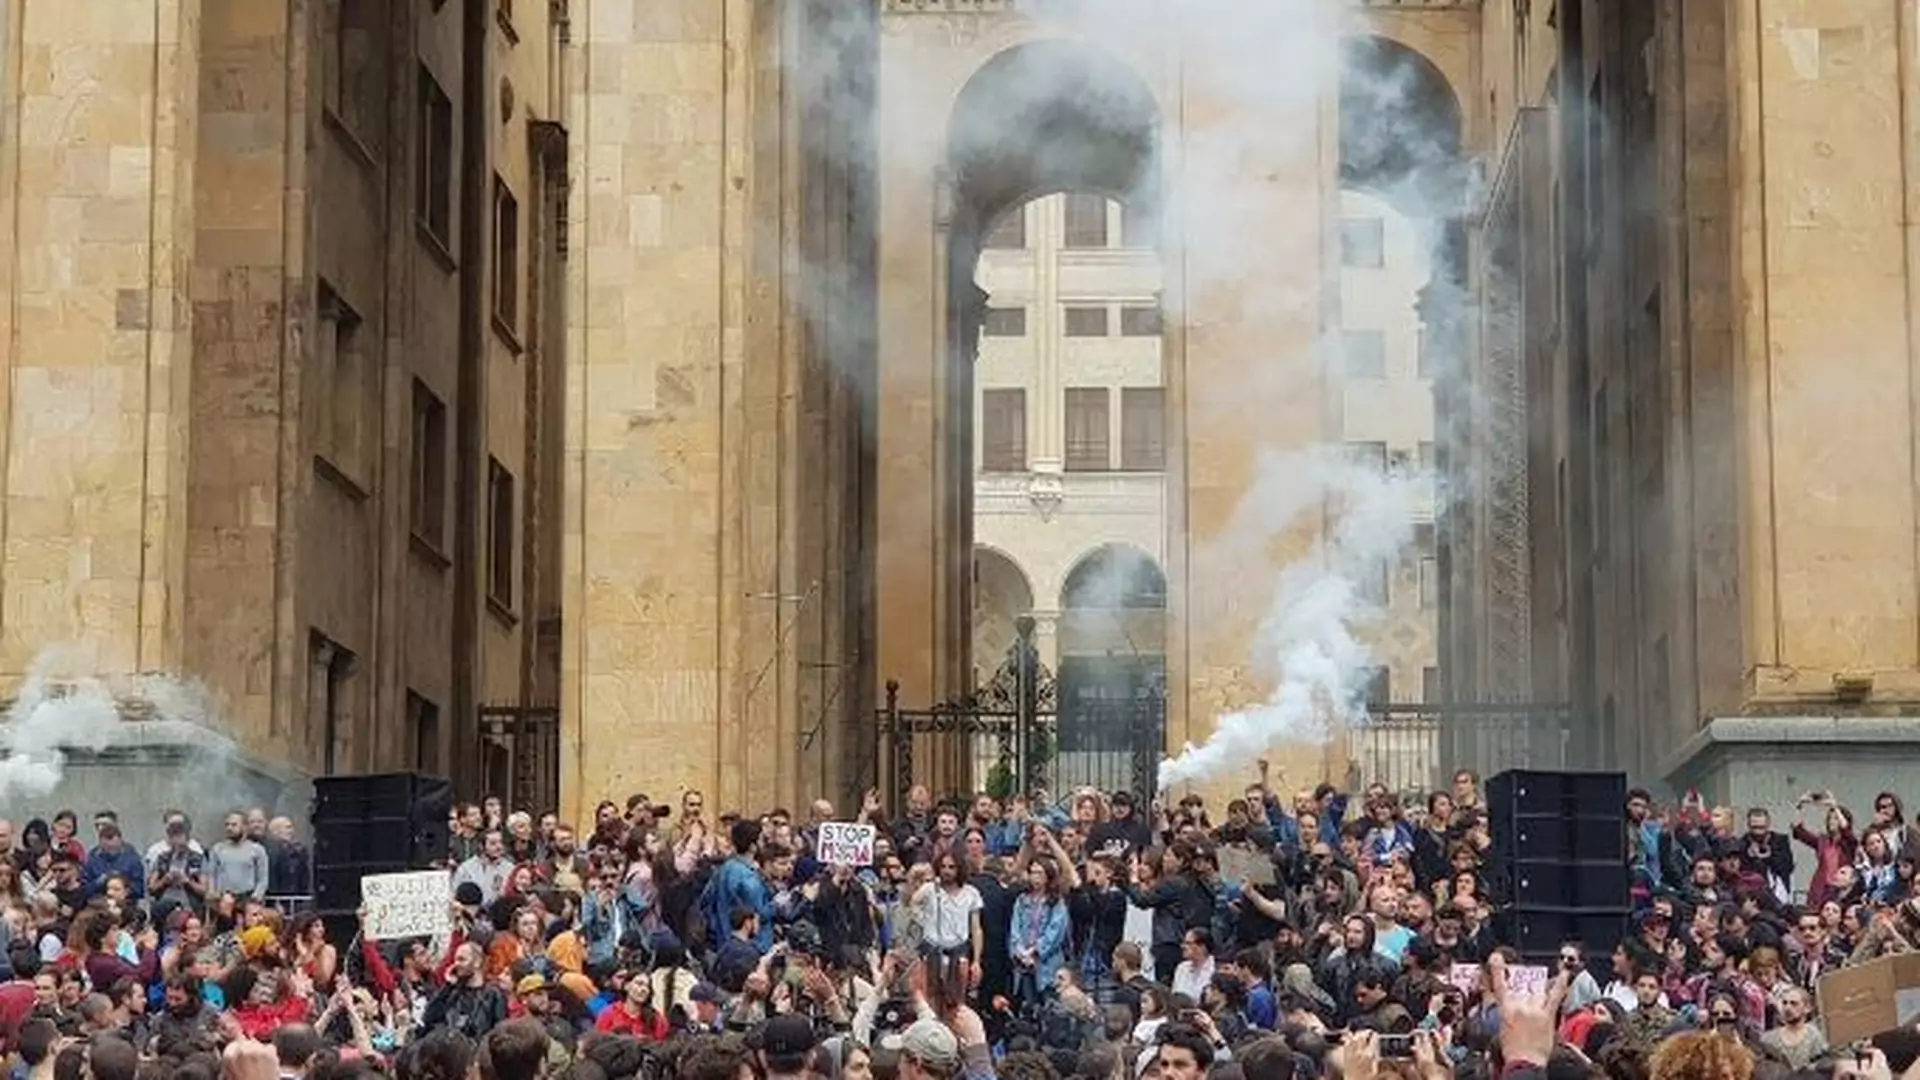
(1001, 595)
(1053, 381)
(1112, 673)
(1405, 324)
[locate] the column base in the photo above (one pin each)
(1770, 761)
(142, 768)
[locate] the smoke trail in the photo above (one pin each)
(1307, 638)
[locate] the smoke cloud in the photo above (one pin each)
(140, 745)
(1188, 110)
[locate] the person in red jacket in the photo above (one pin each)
(262, 1009)
(635, 1014)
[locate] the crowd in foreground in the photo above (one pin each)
(1288, 935)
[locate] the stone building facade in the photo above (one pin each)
(1698, 392)
(377, 363)
(285, 358)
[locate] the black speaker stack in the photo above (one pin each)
(1558, 870)
(386, 823)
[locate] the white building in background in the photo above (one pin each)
(1388, 422)
(1070, 425)
(1070, 488)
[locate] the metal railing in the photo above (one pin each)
(1420, 746)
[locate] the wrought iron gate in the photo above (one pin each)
(1017, 734)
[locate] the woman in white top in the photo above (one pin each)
(949, 910)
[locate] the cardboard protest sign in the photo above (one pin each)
(1245, 866)
(845, 843)
(407, 905)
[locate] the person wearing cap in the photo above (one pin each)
(784, 1045)
(535, 998)
(929, 1051)
(703, 1012)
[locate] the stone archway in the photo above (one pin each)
(1001, 595)
(1038, 118)
(1112, 672)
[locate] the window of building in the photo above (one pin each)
(1089, 436)
(433, 190)
(353, 70)
(1373, 582)
(423, 731)
(1086, 321)
(1003, 429)
(1363, 243)
(1422, 361)
(339, 397)
(1429, 583)
(1364, 354)
(1368, 455)
(1378, 682)
(506, 258)
(500, 533)
(1137, 228)
(428, 477)
(1086, 220)
(1140, 320)
(1143, 428)
(1010, 232)
(1431, 691)
(330, 666)
(1005, 322)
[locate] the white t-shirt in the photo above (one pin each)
(946, 918)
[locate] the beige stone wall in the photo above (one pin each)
(101, 104)
(691, 567)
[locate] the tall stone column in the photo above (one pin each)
(713, 341)
(1826, 284)
(96, 227)
(1243, 365)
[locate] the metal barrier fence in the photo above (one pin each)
(1116, 745)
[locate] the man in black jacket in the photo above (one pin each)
(468, 1004)
(1768, 854)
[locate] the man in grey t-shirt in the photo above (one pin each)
(237, 864)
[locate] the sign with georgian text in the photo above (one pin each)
(407, 905)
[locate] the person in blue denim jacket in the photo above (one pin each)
(737, 885)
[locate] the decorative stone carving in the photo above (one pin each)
(1046, 492)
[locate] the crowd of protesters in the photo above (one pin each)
(1287, 935)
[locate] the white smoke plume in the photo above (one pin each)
(1307, 643)
(53, 714)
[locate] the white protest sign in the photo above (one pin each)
(1464, 978)
(1527, 981)
(845, 843)
(407, 905)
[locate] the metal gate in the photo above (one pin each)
(1021, 733)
